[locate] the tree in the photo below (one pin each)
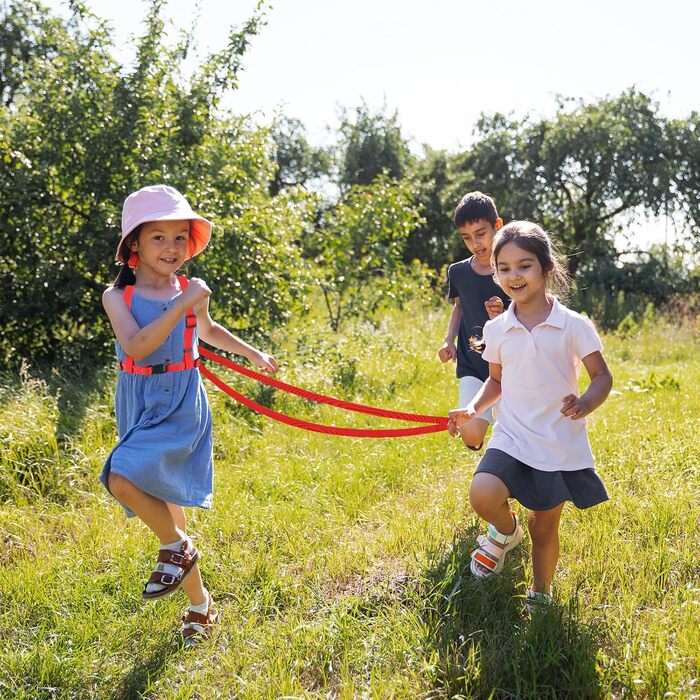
(297, 161)
(684, 153)
(370, 145)
(80, 133)
(433, 240)
(576, 173)
(25, 35)
(361, 241)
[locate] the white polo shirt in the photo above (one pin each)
(539, 369)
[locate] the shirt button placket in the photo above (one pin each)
(531, 347)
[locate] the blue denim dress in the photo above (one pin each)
(164, 422)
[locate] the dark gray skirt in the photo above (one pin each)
(539, 490)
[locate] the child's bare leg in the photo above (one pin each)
(192, 585)
(152, 511)
(473, 432)
(544, 532)
(489, 498)
(178, 513)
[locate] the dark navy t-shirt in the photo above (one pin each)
(473, 290)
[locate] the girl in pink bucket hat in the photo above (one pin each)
(163, 459)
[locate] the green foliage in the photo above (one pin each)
(371, 144)
(577, 172)
(433, 241)
(26, 33)
(29, 456)
(614, 290)
(82, 132)
(684, 153)
(628, 327)
(297, 161)
(359, 246)
(653, 383)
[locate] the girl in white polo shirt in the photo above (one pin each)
(539, 452)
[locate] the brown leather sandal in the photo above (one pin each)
(198, 627)
(185, 559)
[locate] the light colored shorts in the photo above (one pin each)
(469, 387)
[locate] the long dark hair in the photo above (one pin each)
(126, 275)
(534, 239)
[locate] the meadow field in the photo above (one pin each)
(340, 566)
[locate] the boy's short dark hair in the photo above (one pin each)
(475, 206)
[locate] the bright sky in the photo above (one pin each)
(441, 63)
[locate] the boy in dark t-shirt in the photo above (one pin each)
(477, 299)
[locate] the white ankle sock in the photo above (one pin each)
(202, 608)
(175, 546)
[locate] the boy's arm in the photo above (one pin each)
(215, 334)
(576, 407)
(448, 351)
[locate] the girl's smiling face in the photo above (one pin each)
(163, 245)
(520, 274)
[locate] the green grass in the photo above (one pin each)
(340, 566)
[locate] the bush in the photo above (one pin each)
(78, 132)
(357, 251)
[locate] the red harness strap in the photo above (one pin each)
(188, 361)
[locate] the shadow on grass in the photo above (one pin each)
(77, 387)
(146, 671)
(50, 408)
(483, 647)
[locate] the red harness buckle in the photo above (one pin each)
(188, 362)
(159, 369)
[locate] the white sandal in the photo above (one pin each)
(488, 558)
(535, 602)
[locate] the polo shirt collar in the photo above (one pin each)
(511, 320)
(556, 318)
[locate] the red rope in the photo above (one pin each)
(437, 423)
(320, 398)
(318, 427)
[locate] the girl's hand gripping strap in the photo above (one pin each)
(188, 358)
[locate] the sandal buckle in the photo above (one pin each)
(173, 579)
(178, 559)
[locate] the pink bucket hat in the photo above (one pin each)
(162, 203)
